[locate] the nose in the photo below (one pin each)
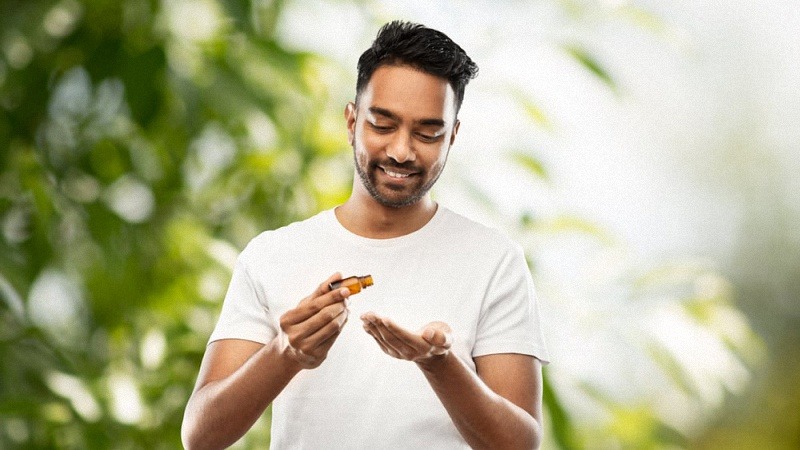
(401, 148)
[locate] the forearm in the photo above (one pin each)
(484, 418)
(221, 411)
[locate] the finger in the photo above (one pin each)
(313, 356)
(370, 329)
(402, 343)
(297, 354)
(326, 342)
(338, 297)
(311, 307)
(437, 338)
(399, 331)
(403, 335)
(390, 343)
(323, 338)
(369, 316)
(335, 315)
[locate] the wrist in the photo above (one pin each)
(434, 363)
(287, 355)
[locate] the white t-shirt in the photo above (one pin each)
(453, 270)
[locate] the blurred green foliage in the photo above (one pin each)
(142, 144)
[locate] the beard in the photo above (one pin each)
(367, 169)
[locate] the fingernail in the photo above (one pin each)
(345, 292)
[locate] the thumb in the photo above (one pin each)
(438, 334)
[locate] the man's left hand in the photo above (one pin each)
(431, 342)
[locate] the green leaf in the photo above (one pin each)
(537, 114)
(532, 109)
(563, 429)
(591, 64)
(531, 164)
(671, 367)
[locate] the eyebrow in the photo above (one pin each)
(392, 116)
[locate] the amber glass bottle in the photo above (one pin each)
(355, 284)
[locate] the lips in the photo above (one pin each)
(397, 173)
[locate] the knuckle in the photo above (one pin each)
(304, 348)
(314, 307)
(324, 286)
(328, 315)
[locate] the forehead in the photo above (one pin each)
(409, 93)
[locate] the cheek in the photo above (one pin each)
(361, 158)
(436, 168)
(371, 142)
(440, 158)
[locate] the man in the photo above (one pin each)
(458, 319)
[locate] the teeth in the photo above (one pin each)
(395, 174)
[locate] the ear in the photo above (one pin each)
(350, 120)
(455, 131)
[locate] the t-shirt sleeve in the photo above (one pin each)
(244, 312)
(509, 321)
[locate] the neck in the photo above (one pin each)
(364, 216)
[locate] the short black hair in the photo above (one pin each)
(420, 47)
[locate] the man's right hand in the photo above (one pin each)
(239, 378)
(309, 330)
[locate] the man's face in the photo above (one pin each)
(401, 131)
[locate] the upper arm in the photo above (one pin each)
(516, 377)
(224, 357)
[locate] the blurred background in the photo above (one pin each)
(645, 153)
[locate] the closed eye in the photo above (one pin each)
(429, 137)
(380, 128)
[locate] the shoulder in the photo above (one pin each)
(295, 235)
(472, 234)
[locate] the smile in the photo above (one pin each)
(394, 174)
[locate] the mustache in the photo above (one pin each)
(391, 164)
